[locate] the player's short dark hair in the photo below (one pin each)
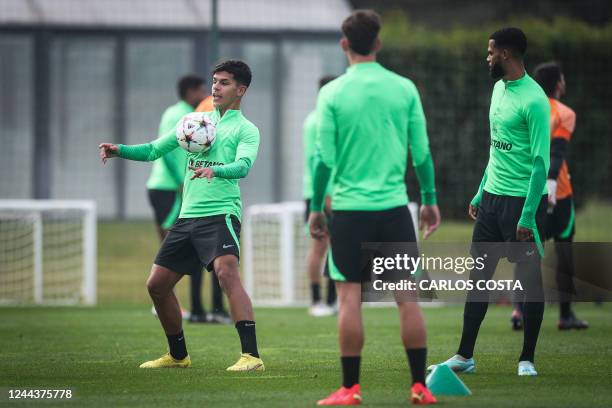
(548, 74)
(187, 83)
(361, 29)
(239, 69)
(325, 79)
(511, 38)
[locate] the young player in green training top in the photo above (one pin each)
(207, 230)
(510, 205)
(369, 118)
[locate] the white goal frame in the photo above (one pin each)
(34, 210)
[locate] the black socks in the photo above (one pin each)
(417, 358)
(248, 340)
(315, 292)
(178, 348)
(350, 370)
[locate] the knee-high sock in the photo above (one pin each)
(530, 275)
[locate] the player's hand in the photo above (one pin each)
(551, 184)
(473, 211)
(429, 219)
(524, 234)
(108, 150)
(202, 172)
(318, 225)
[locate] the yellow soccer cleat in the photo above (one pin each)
(247, 363)
(167, 361)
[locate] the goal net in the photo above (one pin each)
(275, 245)
(47, 252)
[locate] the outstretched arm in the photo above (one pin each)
(142, 152)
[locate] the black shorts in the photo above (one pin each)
(497, 221)
(194, 243)
(560, 222)
(166, 206)
(349, 229)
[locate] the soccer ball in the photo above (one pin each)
(195, 132)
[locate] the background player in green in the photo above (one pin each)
(207, 231)
(318, 247)
(510, 205)
(369, 119)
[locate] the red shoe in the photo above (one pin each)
(420, 395)
(344, 396)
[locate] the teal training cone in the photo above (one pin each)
(443, 381)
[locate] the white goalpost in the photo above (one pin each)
(47, 252)
(274, 249)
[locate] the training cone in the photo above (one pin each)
(443, 381)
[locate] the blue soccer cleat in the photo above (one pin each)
(458, 364)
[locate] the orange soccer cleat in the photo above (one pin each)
(420, 395)
(344, 396)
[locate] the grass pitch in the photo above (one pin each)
(96, 352)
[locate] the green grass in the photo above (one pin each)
(97, 351)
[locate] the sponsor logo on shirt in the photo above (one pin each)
(204, 163)
(499, 145)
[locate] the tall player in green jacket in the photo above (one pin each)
(510, 205)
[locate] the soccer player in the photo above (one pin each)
(510, 205)
(207, 230)
(560, 219)
(368, 120)
(318, 247)
(165, 184)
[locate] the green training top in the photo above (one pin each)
(519, 156)
(368, 119)
(231, 157)
(168, 172)
(310, 158)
